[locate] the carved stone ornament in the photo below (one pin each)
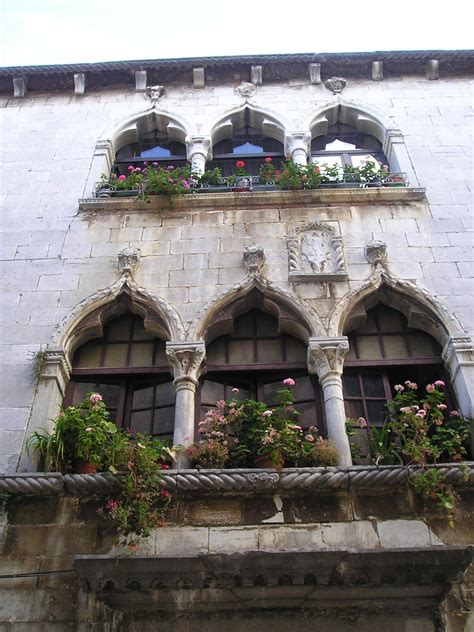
(153, 93)
(253, 258)
(375, 251)
(315, 254)
(128, 260)
(326, 355)
(246, 90)
(335, 84)
(186, 359)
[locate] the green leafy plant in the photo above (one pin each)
(210, 176)
(141, 500)
(208, 453)
(293, 176)
(430, 485)
(170, 181)
(324, 453)
(79, 432)
(133, 181)
(382, 448)
(267, 171)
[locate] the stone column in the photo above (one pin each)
(187, 361)
(197, 152)
(102, 162)
(326, 358)
(53, 371)
(297, 147)
(458, 354)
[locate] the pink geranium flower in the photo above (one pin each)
(439, 383)
(289, 381)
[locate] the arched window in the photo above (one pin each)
(385, 351)
(128, 367)
(246, 140)
(153, 146)
(344, 146)
(255, 358)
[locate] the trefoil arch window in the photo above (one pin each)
(128, 366)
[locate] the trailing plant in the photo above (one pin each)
(324, 453)
(141, 501)
(430, 485)
(39, 363)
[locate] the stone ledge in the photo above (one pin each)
(246, 481)
(258, 579)
(267, 199)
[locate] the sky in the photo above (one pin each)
(35, 32)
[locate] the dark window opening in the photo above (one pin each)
(128, 367)
(151, 147)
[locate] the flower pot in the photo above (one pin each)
(84, 467)
(265, 462)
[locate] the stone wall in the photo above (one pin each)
(42, 535)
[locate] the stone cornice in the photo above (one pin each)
(261, 199)
(329, 579)
(244, 481)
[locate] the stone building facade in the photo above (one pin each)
(314, 262)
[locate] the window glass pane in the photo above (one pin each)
(368, 347)
(373, 385)
(119, 329)
(89, 355)
(339, 145)
(143, 398)
(303, 389)
(351, 385)
(395, 347)
(216, 352)
(307, 415)
(369, 327)
(244, 326)
(269, 351)
(211, 392)
(165, 394)
(389, 319)
(421, 346)
(141, 354)
(139, 332)
(163, 423)
(270, 392)
(296, 351)
(116, 355)
(241, 352)
(160, 353)
(140, 421)
(266, 325)
(81, 389)
(354, 409)
(109, 392)
(358, 160)
(328, 160)
(377, 412)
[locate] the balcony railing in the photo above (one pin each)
(240, 184)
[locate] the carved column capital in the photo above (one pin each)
(187, 359)
(197, 145)
(54, 365)
(326, 356)
(297, 143)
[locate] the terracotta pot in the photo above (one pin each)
(265, 462)
(84, 467)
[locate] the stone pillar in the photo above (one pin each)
(297, 147)
(53, 369)
(102, 162)
(326, 358)
(197, 153)
(397, 155)
(458, 354)
(187, 361)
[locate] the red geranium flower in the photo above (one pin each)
(239, 164)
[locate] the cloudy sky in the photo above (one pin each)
(67, 31)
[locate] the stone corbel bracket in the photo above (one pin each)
(253, 259)
(376, 252)
(294, 245)
(128, 261)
